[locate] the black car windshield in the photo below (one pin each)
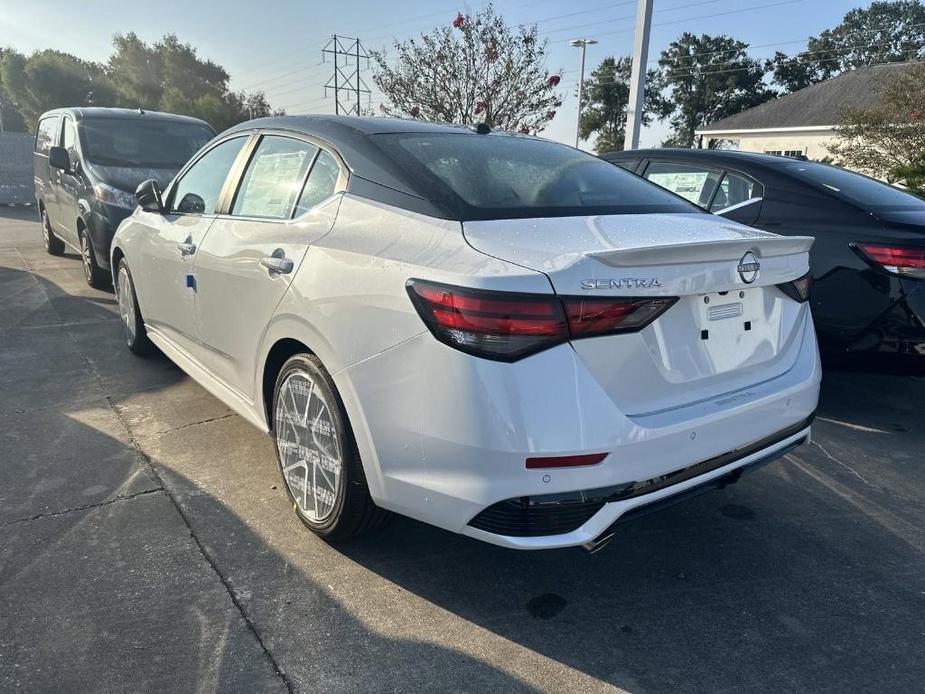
(501, 176)
(853, 187)
(142, 143)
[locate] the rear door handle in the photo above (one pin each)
(186, 248)
(277, 264)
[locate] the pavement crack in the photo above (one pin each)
(207, 557)
(195, 424)
(88, 507)
(844, 465)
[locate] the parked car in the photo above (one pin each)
(496, 334)
(87, 164)
(868, 260)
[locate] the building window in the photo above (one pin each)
(792, 153)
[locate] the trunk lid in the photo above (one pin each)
(724, 333)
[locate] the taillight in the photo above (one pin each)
(799, 289)
(900, 260)
(507, 326)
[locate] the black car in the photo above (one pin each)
(868, 261)
(87, 164)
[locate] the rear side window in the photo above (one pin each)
(321, 183)
(692, 182)
(273, 178)
(45, 134)
(500, 176)
(198, 191)
(734, 190)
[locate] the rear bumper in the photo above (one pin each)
(444, 436)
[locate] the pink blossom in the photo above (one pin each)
(480, 106)
(414, 111)
(553, 80)
(550, 115)
(458, 22)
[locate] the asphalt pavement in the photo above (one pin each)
(146, 545)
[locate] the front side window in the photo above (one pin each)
(734, 190)
(68, 136)
(321, 183)
(273, 178)
(200, 188)
(501, 176)
(692, 182)
(45, 134)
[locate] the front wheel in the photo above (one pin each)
(317, 453)
(95, 275)
(133, 327)
(53, 245)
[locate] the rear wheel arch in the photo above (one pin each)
(278, 355)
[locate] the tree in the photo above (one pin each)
(169, 76)
(604, 103)
(884, 32)
(10, 117)
(476, 70)
(708, 78)
(888, 141)
(49, 79)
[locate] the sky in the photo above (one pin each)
(275, 46)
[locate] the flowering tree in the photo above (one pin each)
(474, 70)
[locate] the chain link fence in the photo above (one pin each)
(16, 186)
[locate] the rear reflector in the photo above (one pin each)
(507, 326)
(900, 260)
(799, 289)
(566, 460)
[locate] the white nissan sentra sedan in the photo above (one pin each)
(496, 334)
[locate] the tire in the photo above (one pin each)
(133, 326)
(340, 506)
(96, 277)
(53, 245)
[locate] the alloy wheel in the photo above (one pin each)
(46, 232)
(309, 446)
(87, 258)
(126, 298)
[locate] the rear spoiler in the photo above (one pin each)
(703, 251)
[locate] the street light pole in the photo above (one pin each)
(583, 44)
(638, 74)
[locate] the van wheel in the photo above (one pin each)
(53, 245)
(317, 453)
(133, 326)
(96, 277)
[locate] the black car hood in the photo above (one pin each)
(901, 218)
(128, 178)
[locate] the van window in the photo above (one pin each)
(68, 135)
(142, 142)
(45, 134)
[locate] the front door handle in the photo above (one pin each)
(186, 248)
(277, 264)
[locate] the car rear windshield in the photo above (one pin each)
(505, 176)
(144, 143)
(856, 188)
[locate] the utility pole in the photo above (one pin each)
(638, 74)
(346, 82)
(583, 44)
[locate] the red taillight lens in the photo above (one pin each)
(508, 326)
(566, 460)
(799, 289)
(590, 317)
(496, 325)
(900, 260)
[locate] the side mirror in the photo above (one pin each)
(148, 196)
(58, 158)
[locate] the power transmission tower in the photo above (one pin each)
(346, 80)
